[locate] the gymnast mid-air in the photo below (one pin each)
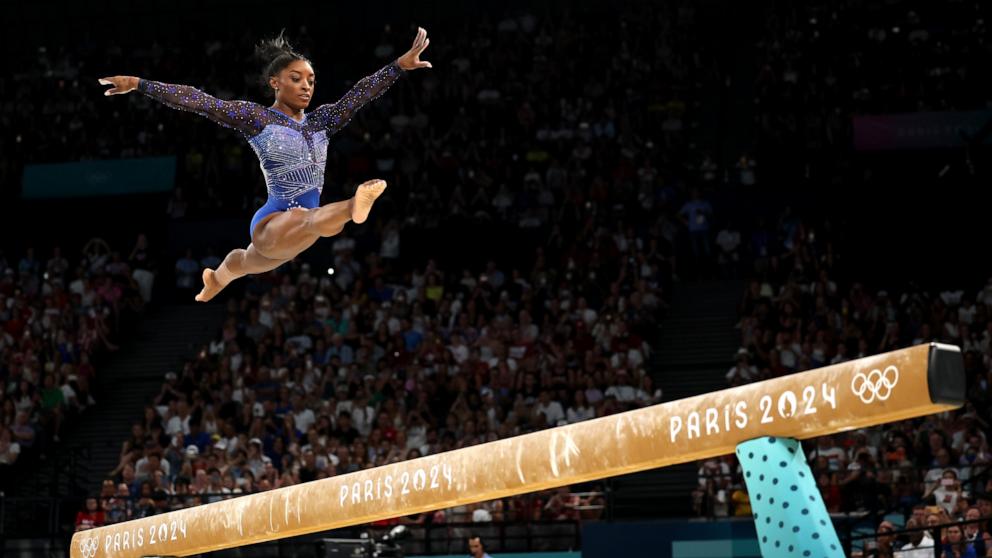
(292, 150)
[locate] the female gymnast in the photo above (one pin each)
(292, 149)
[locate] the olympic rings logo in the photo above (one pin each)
(88, 547)
(877, 384)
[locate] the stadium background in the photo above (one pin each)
(841, 150)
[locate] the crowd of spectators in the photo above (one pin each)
(56, 316)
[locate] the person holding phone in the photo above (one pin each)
(948, 491)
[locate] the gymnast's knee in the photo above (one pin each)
(319, 228)
(261, 253)
(328, 231)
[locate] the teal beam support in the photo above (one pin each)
(789, 515)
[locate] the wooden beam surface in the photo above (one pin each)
(894, 386)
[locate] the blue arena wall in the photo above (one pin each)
(671, 539)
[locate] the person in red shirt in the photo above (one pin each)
(90, 516)
(830, 492)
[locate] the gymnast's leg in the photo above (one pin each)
(238, 263)
(330, 219)
(282, 236)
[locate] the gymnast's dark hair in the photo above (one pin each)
(275, 54)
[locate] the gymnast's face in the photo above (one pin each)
(294, 84)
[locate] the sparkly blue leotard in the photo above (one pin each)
(292, 154)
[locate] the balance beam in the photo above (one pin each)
(902, 384)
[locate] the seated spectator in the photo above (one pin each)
(743, 372)
(885, 540)
(825, 447)
(920, 543)
(551, 409)
(622, 390)
(120, 507)
(974, 533)
(955, 546)
(579, 410)
(145, 505)
(90, 516)
(647, 394)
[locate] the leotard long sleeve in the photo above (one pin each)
(292, 154)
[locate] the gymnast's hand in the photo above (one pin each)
(411, 60)
(121, 84)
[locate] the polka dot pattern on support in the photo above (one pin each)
(775, 472)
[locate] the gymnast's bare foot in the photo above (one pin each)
(365, 196)
(211, 286)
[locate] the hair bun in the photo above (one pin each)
(269, 49)
(274, 55)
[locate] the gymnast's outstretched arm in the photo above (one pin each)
(244, 116)
(334, 116)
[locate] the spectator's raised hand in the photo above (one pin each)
(126, 459)
(411, 60)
